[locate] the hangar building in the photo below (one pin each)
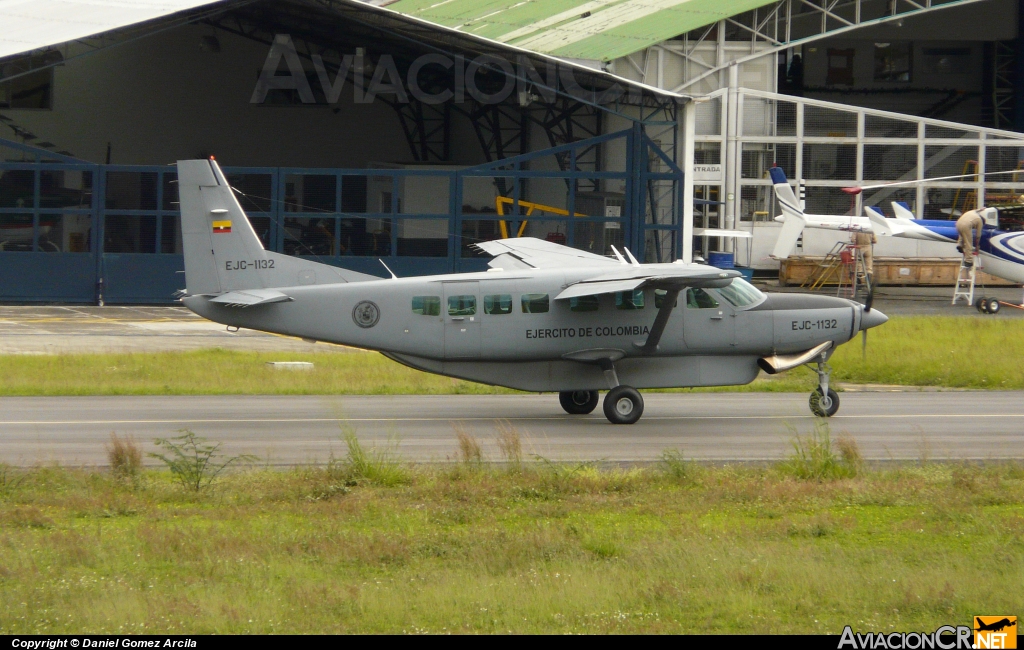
(407, 132)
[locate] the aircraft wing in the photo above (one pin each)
(540, 254)
(251, 297)
(632, 278)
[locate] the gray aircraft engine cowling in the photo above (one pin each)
(803, 321)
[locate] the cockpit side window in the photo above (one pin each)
(700, 299)
(740, 293)
(536, 303)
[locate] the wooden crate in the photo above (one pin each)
(890, 271)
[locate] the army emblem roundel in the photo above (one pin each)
(366, 314)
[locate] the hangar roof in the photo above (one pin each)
(32, 24)
(585, 29)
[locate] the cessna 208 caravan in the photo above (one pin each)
(544, 318)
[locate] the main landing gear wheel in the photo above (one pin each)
(824, 405)
(579, 402)
(623, 405)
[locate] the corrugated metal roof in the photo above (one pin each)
(27, 25)
(586, 29)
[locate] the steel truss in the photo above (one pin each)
(772, 29)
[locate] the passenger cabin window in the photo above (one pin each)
(461, 305)
(584, 303)
(740, 293)
(536, 303)
(700, 299)
(500, 304)
(426, 305)
(629, 300)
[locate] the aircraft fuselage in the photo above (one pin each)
(458, 325)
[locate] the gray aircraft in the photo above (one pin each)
(543, 318)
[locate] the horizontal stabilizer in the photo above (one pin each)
(251, 298)
(721, 232)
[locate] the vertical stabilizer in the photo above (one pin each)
(222, 251)
(902, 211)
(794, 221)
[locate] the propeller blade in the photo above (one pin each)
(870, 299)
(864, 343)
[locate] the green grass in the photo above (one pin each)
(920, 350)
(545, 548)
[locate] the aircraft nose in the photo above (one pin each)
(872, 318)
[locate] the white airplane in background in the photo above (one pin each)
(794, 219)
(1000, 249)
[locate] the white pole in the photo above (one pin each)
(731, 141)
(689, 133)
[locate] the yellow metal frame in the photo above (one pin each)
(502, 201)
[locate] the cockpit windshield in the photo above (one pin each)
(741, 293)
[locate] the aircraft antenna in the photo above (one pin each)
(618, 254)
(393, 276)
(631, 258)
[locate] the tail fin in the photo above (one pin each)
(222, 251)
(901, 210)
(879, 224)
(794, 222)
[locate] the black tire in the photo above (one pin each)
(623, 405)
(979, 304)
(993, 306)
(579, 402)
(822, 407)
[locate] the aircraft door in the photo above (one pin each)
(461, 309)
(709, 323)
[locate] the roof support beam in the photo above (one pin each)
(849, 16)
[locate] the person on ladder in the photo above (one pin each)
(966, 226)
(865, 242)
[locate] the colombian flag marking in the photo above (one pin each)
(220, 227)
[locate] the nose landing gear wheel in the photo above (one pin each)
(623, 405)
(824, 405)
(993, 306)
(579, 402)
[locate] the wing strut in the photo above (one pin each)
(654, 338)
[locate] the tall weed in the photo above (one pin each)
(510, 445)
(814, 456)
(469, 447)
(125, 458)
(377, 465)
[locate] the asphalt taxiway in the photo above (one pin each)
(704, 426)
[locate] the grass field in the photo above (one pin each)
(471, 547)
(922, 350)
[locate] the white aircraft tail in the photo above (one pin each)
(222, 251)
(901, 211)
(881, 225)
(794, 221)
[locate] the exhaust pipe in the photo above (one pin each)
(777, 363)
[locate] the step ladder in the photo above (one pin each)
(965, 282)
